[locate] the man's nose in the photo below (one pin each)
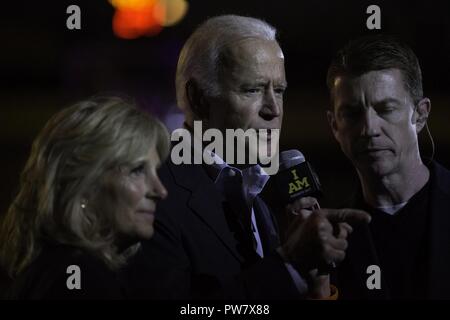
(371, 125)
(272, 107)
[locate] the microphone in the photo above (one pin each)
(295, 179)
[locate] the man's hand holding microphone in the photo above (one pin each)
(315, 239)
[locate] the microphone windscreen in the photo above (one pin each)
(290, 158)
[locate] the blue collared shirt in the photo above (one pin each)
(254, 179)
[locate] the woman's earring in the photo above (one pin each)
(84, 204)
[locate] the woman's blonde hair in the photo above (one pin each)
(68, 157)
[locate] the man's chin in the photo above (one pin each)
(378, 167)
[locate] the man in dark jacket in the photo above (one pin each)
(378, 110)
(215, 238)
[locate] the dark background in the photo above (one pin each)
(45, 67)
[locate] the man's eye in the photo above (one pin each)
(252, 90)
(386, 110)
(280, 91)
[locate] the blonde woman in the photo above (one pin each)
(87, 196)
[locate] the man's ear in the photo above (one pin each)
(421, 113)
(197, 100)
(332, 122)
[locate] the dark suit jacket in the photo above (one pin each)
(361, 252)
(194, 253)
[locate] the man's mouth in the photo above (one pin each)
(373, 151)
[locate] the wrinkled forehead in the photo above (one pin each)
(252, 58)
(251, 50)
(370, 87)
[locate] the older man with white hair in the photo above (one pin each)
(214, 235)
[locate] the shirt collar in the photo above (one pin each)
(254, 178)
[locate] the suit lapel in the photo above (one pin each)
(439, 232)
(361, 253)
(352, 277)
(266, 226)
(205, 202)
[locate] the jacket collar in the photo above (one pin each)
(439, 232)
(205, 201)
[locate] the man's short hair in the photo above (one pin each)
(377, 52)
(200, 58)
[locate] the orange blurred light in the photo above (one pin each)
(131, 24)
(135, 18)
(132, 4)
(175, 11)
(159, 12)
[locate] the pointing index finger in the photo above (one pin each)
(351, 216)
